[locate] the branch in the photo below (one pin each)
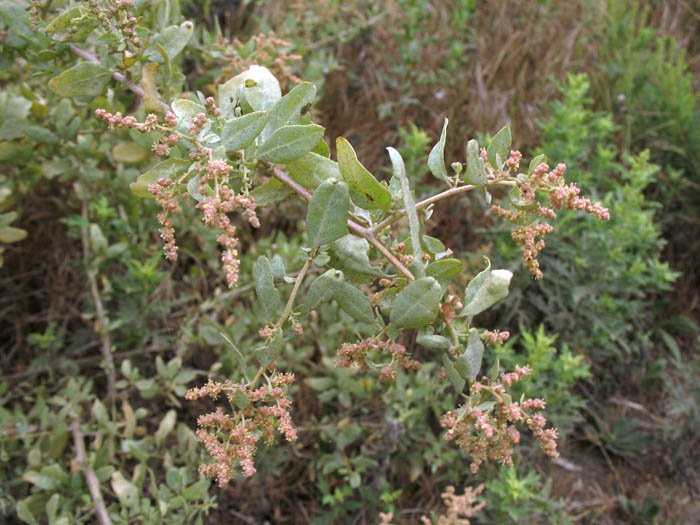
(115, 74)
(102, 326)
(361, 231)
(435, 198)
(297, 285)
(90, 477)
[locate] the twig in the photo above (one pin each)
(297, 285)
(361, 231)
(90, 477)
(102, 325)
(115, 74)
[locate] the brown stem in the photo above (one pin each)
(115, 74)
(90, 477)
(101, 325)
(352, 225)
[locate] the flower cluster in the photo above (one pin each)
(494, 338)
(268, 51)
(116, 120)
(215, 216)
(165, 195)
(459, 508)
(232, 439)
(356, 354)
(529, 232)
(485, 427)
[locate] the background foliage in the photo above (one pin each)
(608, 87)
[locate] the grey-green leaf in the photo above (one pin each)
(436, 159)
(444, 271)
(365, 190)
(271, 351)
(289, 107)
(410, 207)
(354, 302)
(239, 133)
(322, 289)
(351, 253)
(326, 217)
(173, 40)
(499, 147)
(271, 192)
(468, 364)
(539, 159)
(312, 169)
(417, 305)
(167, 169)
(290, 142)
(265, 288)
(84, 79)
(486, 289)
(455, 378)
(476, 171)
(433, 341)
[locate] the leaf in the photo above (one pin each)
(312, 169)
(411, 213)
(476, 170)
(436, 159)
(457, 380)
(444, 271)
(52, 508)
(417, 304)
(167, 424)
(468, 364)
(197, 491)
(289, 107)
(173, 40)
(326, 217)
(365, 191)
(242, 361)
(265, 288)
(271, 351)
(322, 289)
(129, 152)
(354, 303)
(24, 513)
(239, 133)
(497, 152)
(351, 253)
(83, 79)
(185, 111)
(260, 89)
(72, 25)
(273, 191)
(40, 480)
(486, 289)
(151, 99)
(10, 234)
(241, 399)
(433, 341)
(168, 169)
(290, 142)
(539, 159)
(126, 491)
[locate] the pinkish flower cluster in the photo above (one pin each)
(355, 355)
(232, 439)
(529, 233)
(210, 106)
(495, 337)
(215, 216)
(459, 508)
(490, 433)
(198, 123)
(165, 194)
(116, 120)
